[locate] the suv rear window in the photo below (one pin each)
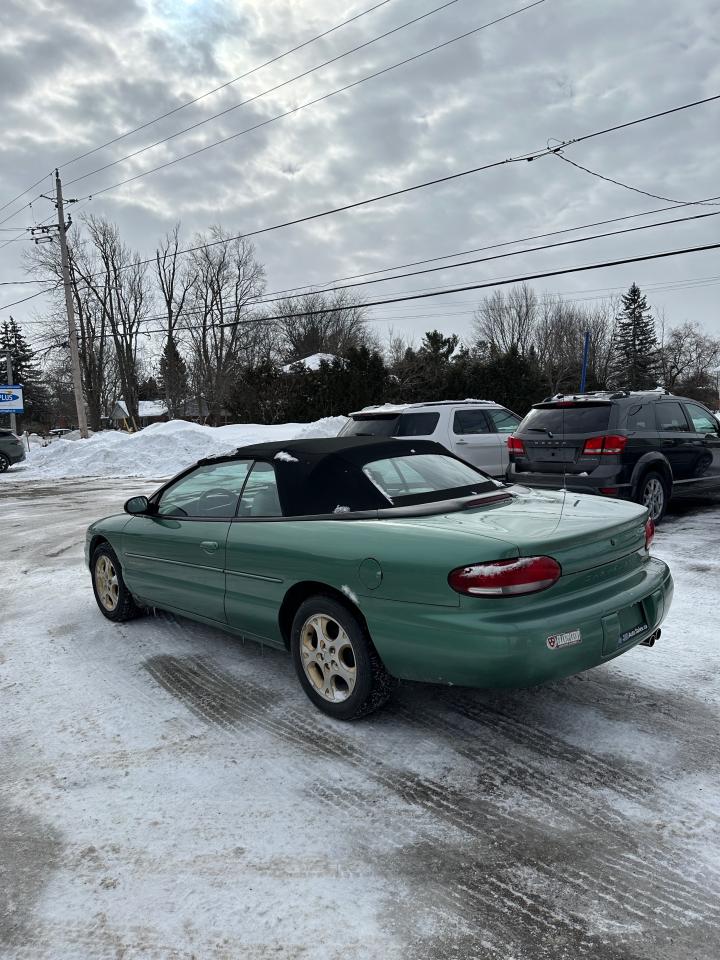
(393, 425)
(583, 418)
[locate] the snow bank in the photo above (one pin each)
(158, 451)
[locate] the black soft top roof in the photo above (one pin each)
(326, 474)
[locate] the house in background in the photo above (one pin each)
(156, 411)
(149, 411)
(309, 363)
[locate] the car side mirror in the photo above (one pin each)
(137, 506)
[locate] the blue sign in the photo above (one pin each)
(11, 399)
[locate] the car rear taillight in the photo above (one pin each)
(505, 578)
(649, 532)
(603, 446)
(515, 445)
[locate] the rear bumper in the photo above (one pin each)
(504, 642)
(599, 479)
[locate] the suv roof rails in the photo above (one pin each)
(610, 394)
(427, 403)
(592, 394)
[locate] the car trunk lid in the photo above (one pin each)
(580, 532)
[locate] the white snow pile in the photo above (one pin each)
(158, 451)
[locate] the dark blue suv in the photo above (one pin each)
(643, 446)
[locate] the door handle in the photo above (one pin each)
(209, 546)
(460, 441)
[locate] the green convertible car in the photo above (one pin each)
(374, 559)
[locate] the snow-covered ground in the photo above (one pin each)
(167, 791)
(159, 450)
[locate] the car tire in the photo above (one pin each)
(335, 660)
(112, 595)
(653, 493)
(4, 463)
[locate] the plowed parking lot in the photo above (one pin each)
(167, 791)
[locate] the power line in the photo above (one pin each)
(321, 286)
(259, 321)
(202, 96)
(568, 297)
(264, 93)
(257, 302)
(511, 253)
(318, 287)
(625, 186)
(526, 157)
(493, 283)
(227, 83)
(530, 156)
(38, 293)
(310, 103)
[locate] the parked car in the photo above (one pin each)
(642, 446)
(12, 450)
(372, 559)
(58, 433)
(474, 430)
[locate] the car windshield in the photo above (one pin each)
(425, 477)
(585, 418)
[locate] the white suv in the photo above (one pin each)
(476, 430)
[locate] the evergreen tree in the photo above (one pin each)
(26, 373)
(635, 360)
(173, 387)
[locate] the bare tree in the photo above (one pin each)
(94, 346)
(505, 321)
(120, 292)
(340, 326)
(558, 339)
(225, 333)
(687, 353)
(175, 280)
(600, 324)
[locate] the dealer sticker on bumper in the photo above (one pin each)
(558, 640)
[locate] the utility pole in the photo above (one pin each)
(70, 307)
(8, 368)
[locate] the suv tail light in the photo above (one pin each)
(515, 445)
(505, 578)
(604, 446)
(649, 532)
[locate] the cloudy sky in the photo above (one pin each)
(77, 73)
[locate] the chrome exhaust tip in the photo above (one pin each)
(650, 641)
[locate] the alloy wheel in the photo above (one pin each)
(106, 582)
(328, 658)
(654, 497)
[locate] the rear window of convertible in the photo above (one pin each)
(425, 477)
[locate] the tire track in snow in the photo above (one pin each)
(200, 682)
(559, 791)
